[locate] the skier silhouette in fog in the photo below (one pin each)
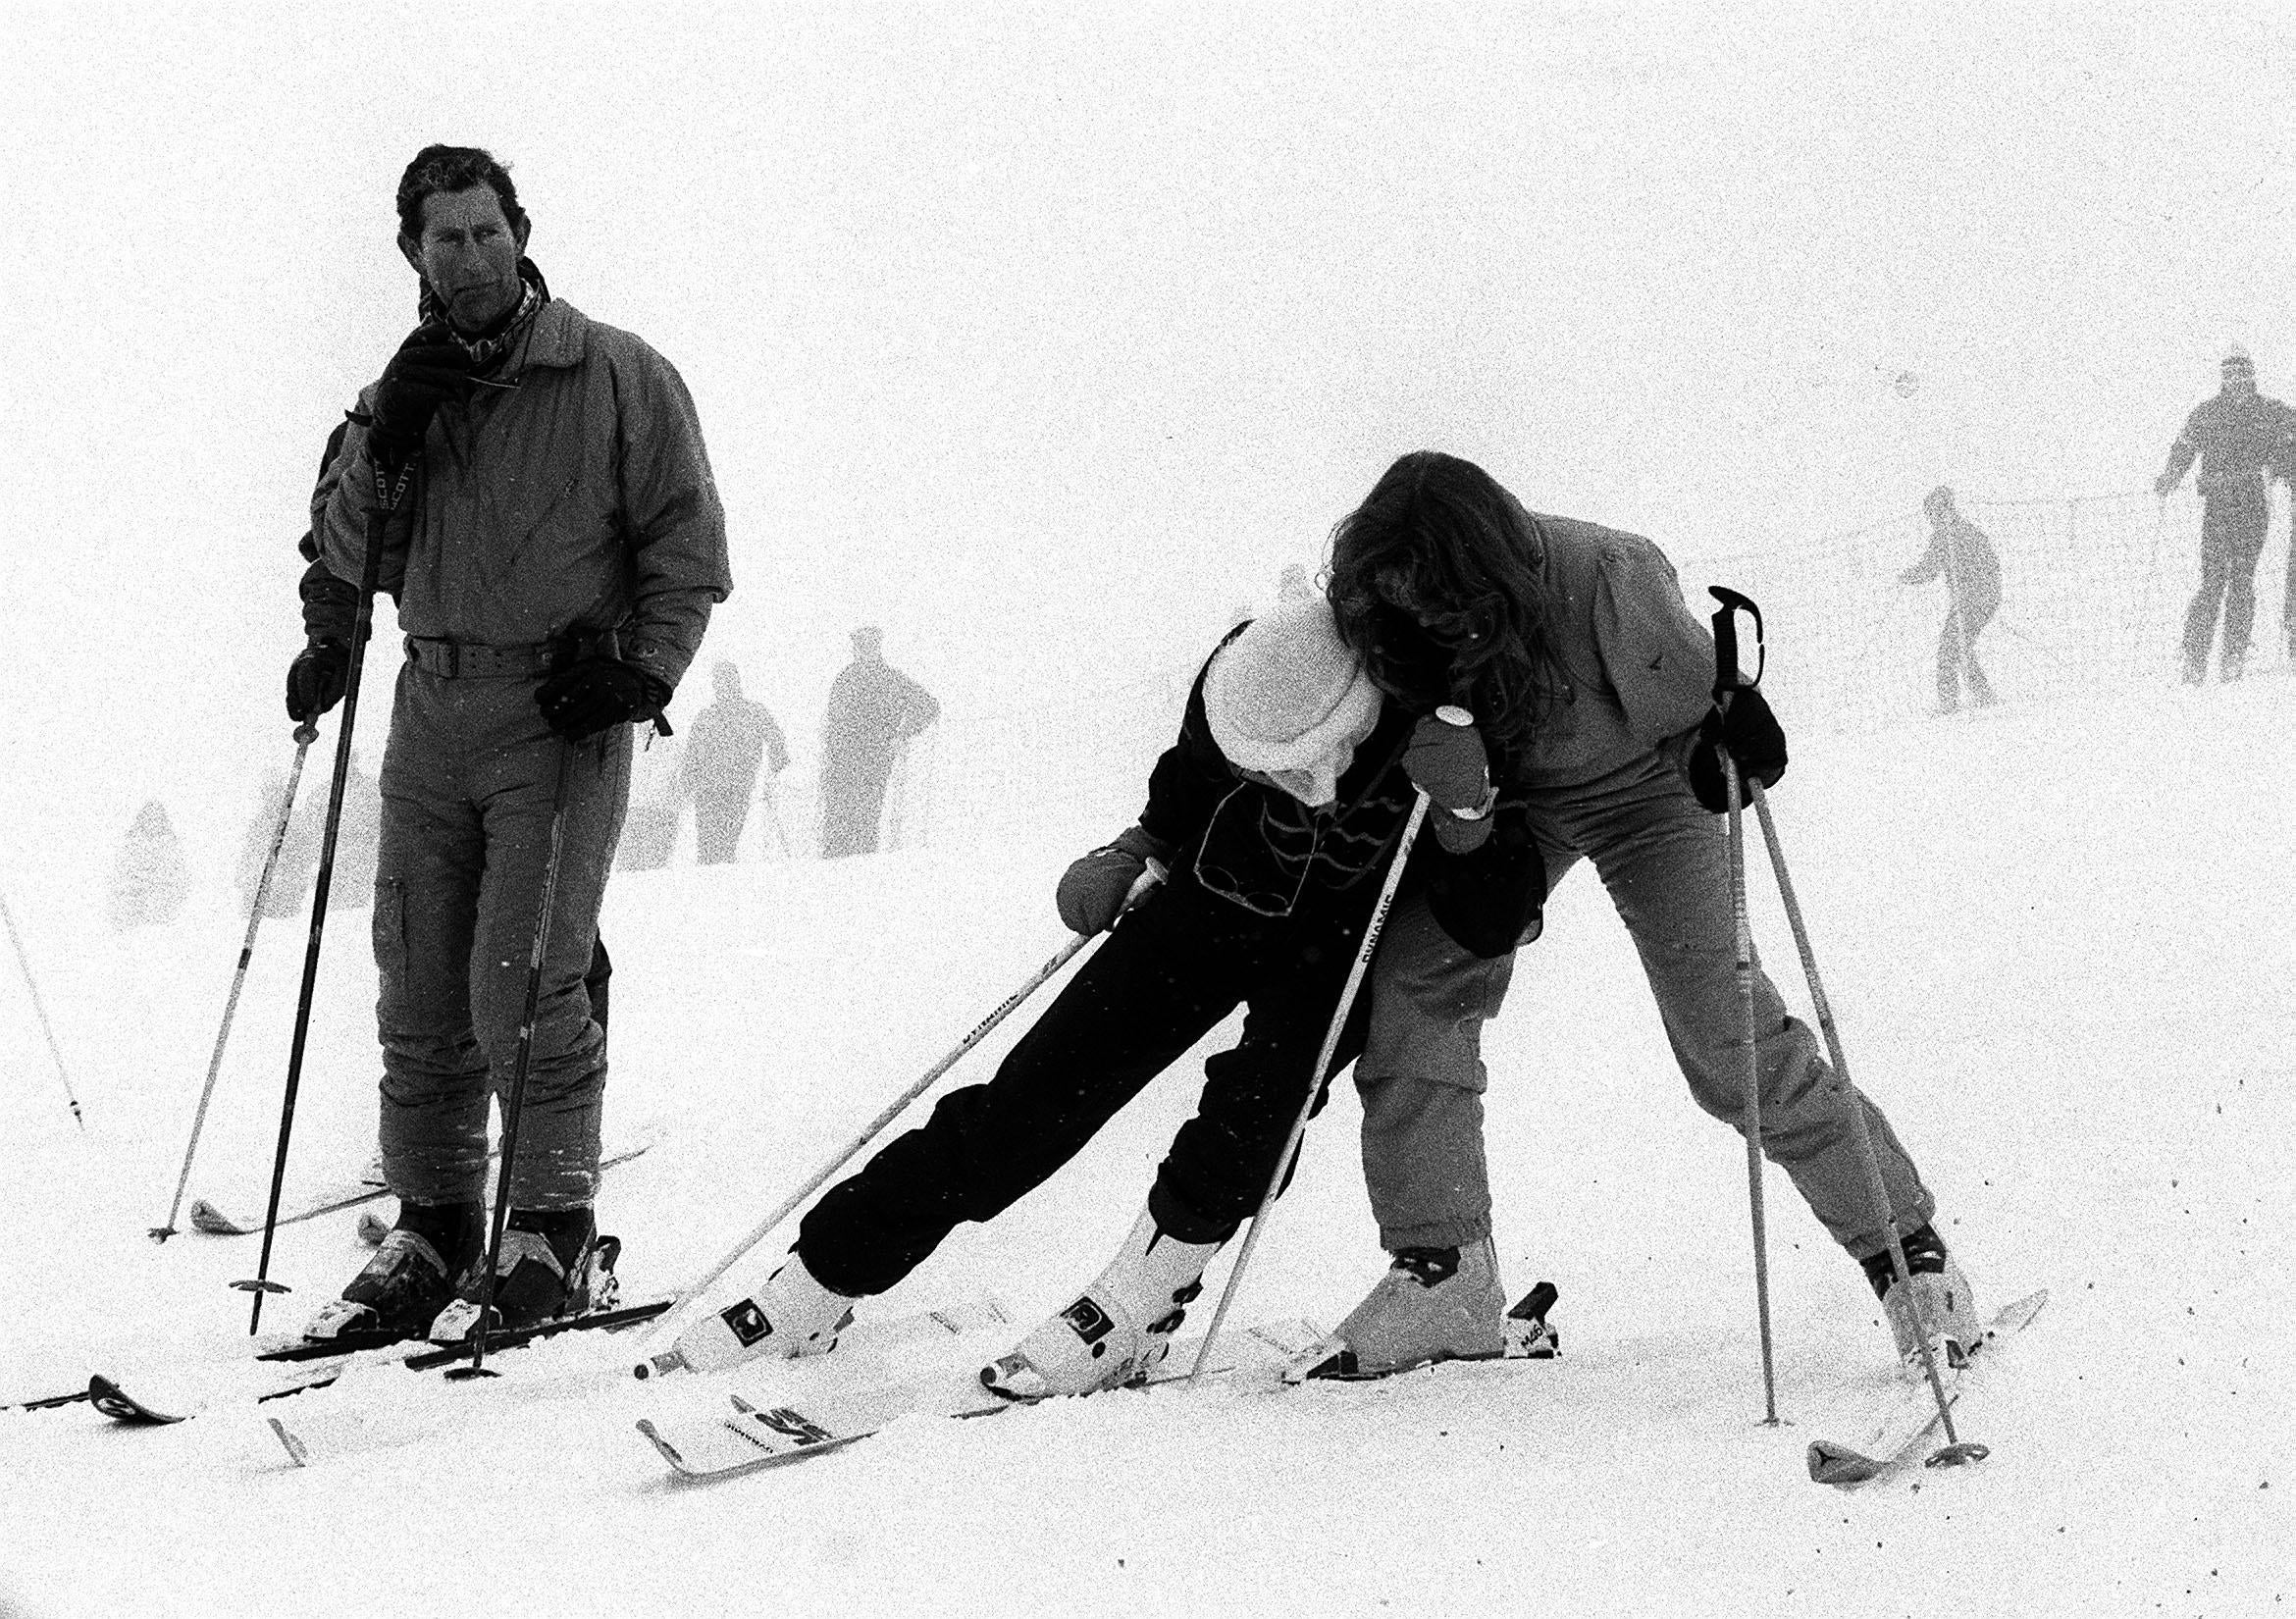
(2237, 435)
(149, 881)
(1958, 550)
(298, 855)
(724, 746)
(873, 708)
(356, 839)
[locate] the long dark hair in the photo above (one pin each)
(1438, 539)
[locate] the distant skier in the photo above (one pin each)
(725, 746)
(149, 880)
(298, 854)
(1958, 550)
(554, 566)
(358, 839)
(2237, 435)
(873, 708)
(1274, 815)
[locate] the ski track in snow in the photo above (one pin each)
(2056, 938)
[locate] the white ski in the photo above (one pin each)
(1909, 1415)
(759, 1430)
(368, 1188)
(341, 1427)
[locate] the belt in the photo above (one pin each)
(468, 659)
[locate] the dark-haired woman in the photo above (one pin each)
(1591, 683)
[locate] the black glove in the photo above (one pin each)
(316, 678)
(1750, 732)
(429, 369)
(331, 606)
(1092, 892)
(1449, 762)
(593, 693)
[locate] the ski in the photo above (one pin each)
(1909, 1415)
(323, 1433)
(207, 1217)
(1526, 1334)
(754, 1433)
(126, 1400)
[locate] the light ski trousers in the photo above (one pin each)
(469, 777)
(1665, 862)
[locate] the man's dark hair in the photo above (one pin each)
(436, 169)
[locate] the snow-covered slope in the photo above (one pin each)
(2057, 942)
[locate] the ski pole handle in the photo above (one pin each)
(1727, 678)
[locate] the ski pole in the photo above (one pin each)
(514, 1104)
(47, 1029)
(1363, 956)
(870, 1132)
(1956, 1450)
(305, 734)
(1727, 679)
(388, 496)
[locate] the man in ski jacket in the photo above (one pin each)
(549, 529)
(874, 709)
(2237, 435)
(726, 747)
(1958, 550)
(1274, 819)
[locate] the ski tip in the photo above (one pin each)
(297, 1451)
(206, 1217)
(1838, 1464)
(115, 1402)
(669, 1451)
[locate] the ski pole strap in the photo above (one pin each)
(1727, 678)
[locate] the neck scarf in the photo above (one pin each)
(488, 348)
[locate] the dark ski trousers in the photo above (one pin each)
(1957, 650)
(853, 805)
(2232, 537)
(469, 776)
(720, 810)
(1161, 981)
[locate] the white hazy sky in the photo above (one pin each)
(1044, 334)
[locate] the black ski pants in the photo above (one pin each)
(1163, 980)
(2232, 537)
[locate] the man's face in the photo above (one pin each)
(469, 254)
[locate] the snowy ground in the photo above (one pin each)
(2058, 943)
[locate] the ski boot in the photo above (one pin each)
(1433, 1304)
(1119, 1331)
(1935, 1296)
(553, 1266)
(792, 1314)
(410, 1278)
